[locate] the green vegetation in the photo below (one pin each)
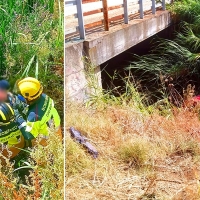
(178, 58)
(140, 154)
(135, 152)
(145, 151)
(38, 177)
(32, 34)
(32, 45)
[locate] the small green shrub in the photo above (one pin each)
(136, 153)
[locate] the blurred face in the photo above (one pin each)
(3, 95)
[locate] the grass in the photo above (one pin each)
(145, 151)
(136, 153)
(39, 177)
(77, 157)
(177, 58)
(32, 45)
(32, 35)
(134, 150)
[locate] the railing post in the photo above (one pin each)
(141, 9)
(105, 15)
(125, 11)
(80, 19)
(163, 5)
(153, 6)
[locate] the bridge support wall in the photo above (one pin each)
(99, 47)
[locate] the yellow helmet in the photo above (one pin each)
(30, 88)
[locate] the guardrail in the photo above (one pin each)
(102, 12)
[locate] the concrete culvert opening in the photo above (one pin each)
(114, 72)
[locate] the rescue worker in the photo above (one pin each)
(41, 113)
(11, 138)
(16, 101)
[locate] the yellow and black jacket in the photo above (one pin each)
(12, 139)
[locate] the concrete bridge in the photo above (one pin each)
(100, 30)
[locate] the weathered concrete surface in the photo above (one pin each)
(78, 88)
(74, 72)
(102, 46)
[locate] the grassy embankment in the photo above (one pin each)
(145, 152)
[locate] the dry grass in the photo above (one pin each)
(140, 156)
(46, 177)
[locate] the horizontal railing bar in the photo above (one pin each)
(92, 12)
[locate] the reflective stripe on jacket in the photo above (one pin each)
(42, 115)
(11, 136)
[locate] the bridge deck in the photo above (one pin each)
(93, 16)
